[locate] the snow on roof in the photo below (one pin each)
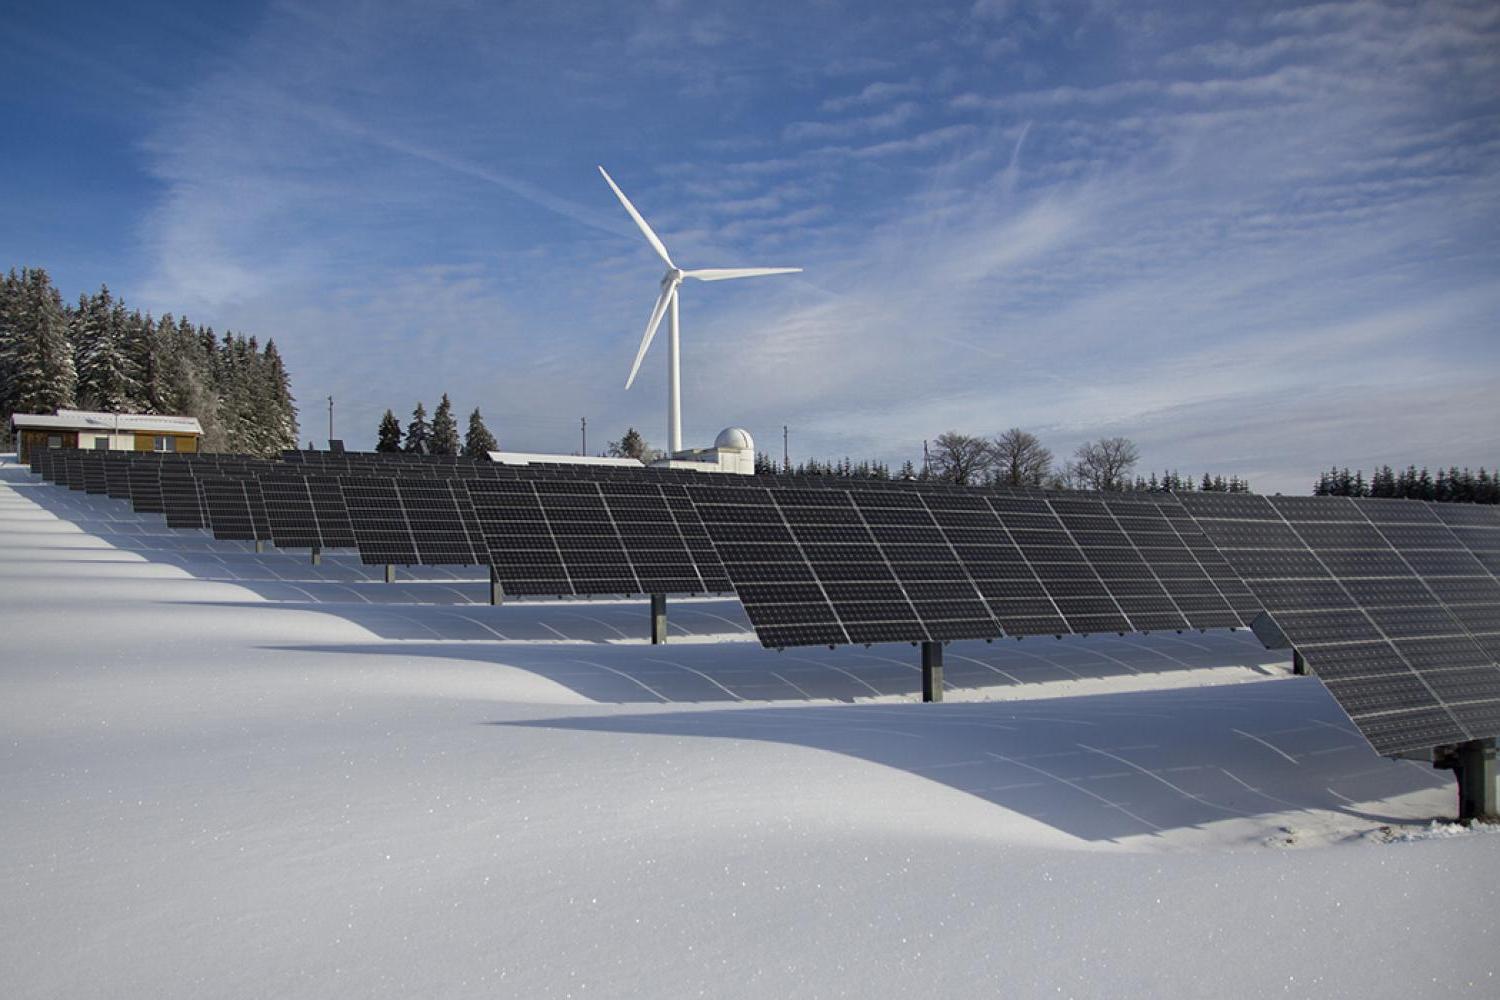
(531, 458)
(86, 420)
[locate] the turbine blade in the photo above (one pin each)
(651, 237)
(656, 314)
(725, 273)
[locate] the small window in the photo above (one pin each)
(165, 442)
(101, 444)
(54, 440)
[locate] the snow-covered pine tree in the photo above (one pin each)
(444, 429)
(419, 432)
(138, 337)
(275, 400)
(38, 358)
(106, 380)
(10, 290)
(255, 431)
(229, 366)
(388, 438)
(478, 442)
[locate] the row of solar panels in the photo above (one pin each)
(545, 537)
(1396, 604)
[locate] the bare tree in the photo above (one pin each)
(1105, 464)
(960, 458)
(1020, 459)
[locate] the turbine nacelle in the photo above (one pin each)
(667, 302)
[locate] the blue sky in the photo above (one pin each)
(1255, 238)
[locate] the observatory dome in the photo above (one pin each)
(736, 438)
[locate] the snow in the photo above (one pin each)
(229, 774)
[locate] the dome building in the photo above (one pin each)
(733, 452)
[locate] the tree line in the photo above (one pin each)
(1451, 485)
(439, 437)
(1016, 458)
(101, 355)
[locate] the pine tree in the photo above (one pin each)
(419, 432)
(478, 442)
(105, 377)
(146, 362)
(631, 445)
(444, 429)
(388, 439)
(274, 403)
(37, 356)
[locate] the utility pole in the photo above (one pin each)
(330, 419)
(786, 455)
(924, 459)
(584, 427)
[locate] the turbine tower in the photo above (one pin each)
(666, 305)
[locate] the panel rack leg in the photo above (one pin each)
(1299, 665)
(260, 545)
(658, 619)
(932, 671)
(1473, 764)
(390, 573)
(497, 592)
(317, 556)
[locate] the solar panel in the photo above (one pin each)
(289, 512)
(181, 501)
(93, 472)
(784, 600)
(444, 529)
(232, 513)
(653, 541)
(1357, 588)
(520, 546)
(117, 478)
(377, 520)
(335, 531)
(145, 487)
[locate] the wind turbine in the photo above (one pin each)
(666, 305)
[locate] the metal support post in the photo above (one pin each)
(390, 573)
(1299, 665)
(1473, 764)
(658, 619)
(497, 592)
(317, 556)
(260, 545)
(932, 671)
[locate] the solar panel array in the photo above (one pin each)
(1396, 610)
(863, 566)
(573, 537)
(1394, 604)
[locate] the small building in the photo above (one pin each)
(733, 453)
(103, 431)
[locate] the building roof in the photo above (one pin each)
(530, 458)
(85, 420)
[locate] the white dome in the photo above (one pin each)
(735, 438)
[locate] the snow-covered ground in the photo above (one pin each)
(225, 774)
